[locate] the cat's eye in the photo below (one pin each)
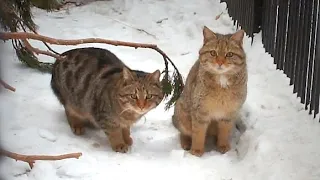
(149, 96)
(229, 54)
(213, 53)
(133, 96)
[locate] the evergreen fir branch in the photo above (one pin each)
(24, 9)
(14, 16)
(177, 87)
(29, 59)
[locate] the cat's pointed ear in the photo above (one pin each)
(155, 75)
(208, 34)
(238, 36)
(127, 74)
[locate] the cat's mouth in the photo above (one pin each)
(221, 69)
(144, 110)
(139, 111)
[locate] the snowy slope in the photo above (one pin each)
(281, 141)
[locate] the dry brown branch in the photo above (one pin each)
(34, 31)
(25, 35)
(7, 86)
(30, 159)
(38, 51)
(218, 16)
(138, 29)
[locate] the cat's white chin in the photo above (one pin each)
(215, 69)
(221, 70)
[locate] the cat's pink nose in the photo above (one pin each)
(141, 103)
(220, 63)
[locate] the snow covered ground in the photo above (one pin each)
(281, 141)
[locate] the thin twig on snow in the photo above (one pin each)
(38, 51)
(7, 86)
(138, 29)
(30, 159)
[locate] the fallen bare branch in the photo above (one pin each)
(38, 51)
(161, 20)
(25, 35)
(34, 31)
(7, 86)
(30, 159)
(218, 16)
(138, 29)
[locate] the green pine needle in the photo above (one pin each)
(30, 60)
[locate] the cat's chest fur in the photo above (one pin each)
(219, 99)
(222, 81)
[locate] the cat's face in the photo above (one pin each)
(140, 92)
(222, 54)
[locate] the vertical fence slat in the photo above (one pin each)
(281, 33)
(292, 47)
(298, 47)
(316, 74)
(290, 40)
(312, 53)
(278, 27)
(273, 26)
(287, 41)
(305, 47)
(268, 27)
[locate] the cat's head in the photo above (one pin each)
(140, 91)
(222, 54)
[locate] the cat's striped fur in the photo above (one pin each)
(95, 86)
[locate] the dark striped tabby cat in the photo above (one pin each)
(95, 86)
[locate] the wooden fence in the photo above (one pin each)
(289, 33)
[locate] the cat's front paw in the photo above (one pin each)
(197, 152)
(128, 141)
(122, 148)
(78, 130)
(223, 148)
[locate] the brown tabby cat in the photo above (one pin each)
(215, 90)
(95, 86)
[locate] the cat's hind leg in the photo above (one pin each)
(76, 121)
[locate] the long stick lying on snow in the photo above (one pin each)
(38, 51)
(25, 35)
(7, 86)
(30, 159)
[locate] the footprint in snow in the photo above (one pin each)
(45, 134)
